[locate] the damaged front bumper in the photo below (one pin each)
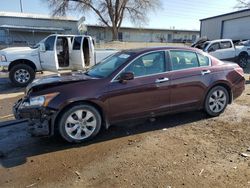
(39, 118)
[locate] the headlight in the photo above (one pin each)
(3, 58)
(42, 100)
(37, 101)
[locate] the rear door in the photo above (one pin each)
(76, 57)
(190, 77)
(90, 51)
(48, 55)
(82, 54)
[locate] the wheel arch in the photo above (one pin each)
(57, 116)
(243, 53)
(22, 61)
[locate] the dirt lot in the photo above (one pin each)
(183, 150)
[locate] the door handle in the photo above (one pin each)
(204, 72)
(161, 80)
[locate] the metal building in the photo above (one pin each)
(234, 25)
(22, 29)
(28, 29)
(130, 34)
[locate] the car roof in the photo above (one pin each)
(145, 50)
(220, 40)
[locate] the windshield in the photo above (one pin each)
(204, 46)
(108, 66)
(38, 44)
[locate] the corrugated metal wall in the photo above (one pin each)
(143, 35)
(213, 28)
(29, 36)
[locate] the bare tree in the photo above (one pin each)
(242, 4)
(111, 13)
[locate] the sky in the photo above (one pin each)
(178, 14)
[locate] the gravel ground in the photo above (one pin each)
(182, 150)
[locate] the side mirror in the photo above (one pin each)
(125, 76)
(42, 47)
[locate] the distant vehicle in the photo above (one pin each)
(244, 43)
(132, 84)
(224, 49)
(54, 53)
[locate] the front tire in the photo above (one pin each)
(80, 123)
(21, 75)
(216, 101)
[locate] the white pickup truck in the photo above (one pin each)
(54, 53)
(224, 49)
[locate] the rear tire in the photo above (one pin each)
(243, 60)
(80, 123)
(21, 75)
(216, 101)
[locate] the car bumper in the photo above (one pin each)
(4, 73)
(39, 118)
(4, 65)
(238, 88)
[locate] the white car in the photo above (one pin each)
(224, 49)
(54, 53)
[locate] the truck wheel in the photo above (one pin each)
(21, 75)
(243, 60)
(80, 123)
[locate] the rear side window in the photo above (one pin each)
(77, 43)
(50, 43)
(183, 60)
(225, 45)
(203, 60)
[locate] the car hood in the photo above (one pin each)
(199, 42)
(58, 79)
(18, 51)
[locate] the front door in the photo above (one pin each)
(48, 56)
(214, 50)
(147, 94)
(190, 76)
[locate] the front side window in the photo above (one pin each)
(149, 64)
(214, 47)
(183, 60)
(50, 43)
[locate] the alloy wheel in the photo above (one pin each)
(22, 76)
(217, 101)
(243, 61)
(80, 124)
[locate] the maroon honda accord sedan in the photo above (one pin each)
(138, 83)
